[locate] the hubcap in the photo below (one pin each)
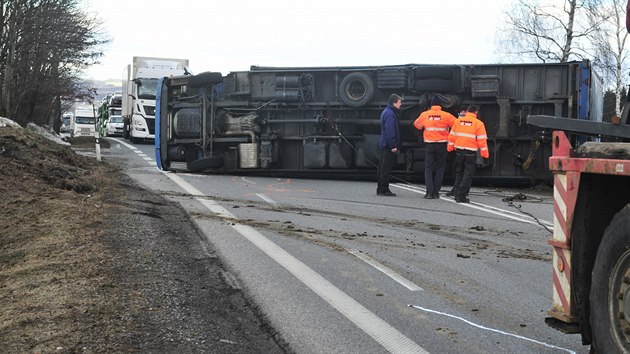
(619, 301)
(356, 90)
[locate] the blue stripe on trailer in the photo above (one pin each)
(158, 113)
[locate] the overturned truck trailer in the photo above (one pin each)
(324, 122)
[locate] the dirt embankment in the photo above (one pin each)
(90, 262)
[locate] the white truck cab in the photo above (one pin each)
(83, 122)
(139, 93)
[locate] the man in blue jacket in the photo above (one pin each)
(389, 144)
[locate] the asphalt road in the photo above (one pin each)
(337, 269)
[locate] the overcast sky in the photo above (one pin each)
(232, 35)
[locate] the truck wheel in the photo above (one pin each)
(206, 163)
(610, 289)
(356, 89)
(451, 101)
(205, 79)
(125, 131)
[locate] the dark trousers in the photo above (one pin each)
(465, 166)
(434, 164)
(384, 170)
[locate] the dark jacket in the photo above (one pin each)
(390, 134)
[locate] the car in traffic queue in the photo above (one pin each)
(114, 126)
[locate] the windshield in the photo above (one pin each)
(84, 120)
(147, 88)
(65, 121)
(115, 119)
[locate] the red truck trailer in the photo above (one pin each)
(591, 235)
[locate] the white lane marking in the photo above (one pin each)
(409, 187)
(482, 207)
(185, 185)
(246, 180)
(492, 329)
(385, 270)
(216, 208)
(147, 158)
(266, 198)
(545, 222)
(125, 144)
(386, 335)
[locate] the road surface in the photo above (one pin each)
(337, 269)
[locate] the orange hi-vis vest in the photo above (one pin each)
(469, 133)
(436, 124)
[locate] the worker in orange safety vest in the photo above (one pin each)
(436, 124)
(462, 112)
(467, 136)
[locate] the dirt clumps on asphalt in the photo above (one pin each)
(90, 262)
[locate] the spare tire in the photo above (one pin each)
(356, 89)
(205, 79)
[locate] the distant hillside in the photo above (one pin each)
(105, 87)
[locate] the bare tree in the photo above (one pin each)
(549, 31)
(609, 46)
(44, 47)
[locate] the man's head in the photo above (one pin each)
(473, 109)
(394, 100)
(436, 101)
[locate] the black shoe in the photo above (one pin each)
(428, 196)
(462, 200)
(388, 194)
(436, 195)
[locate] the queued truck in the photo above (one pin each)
(138, 93)
(83, 120)
(324, 121)
(109, 110)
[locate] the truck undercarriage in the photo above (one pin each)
(325, 121)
